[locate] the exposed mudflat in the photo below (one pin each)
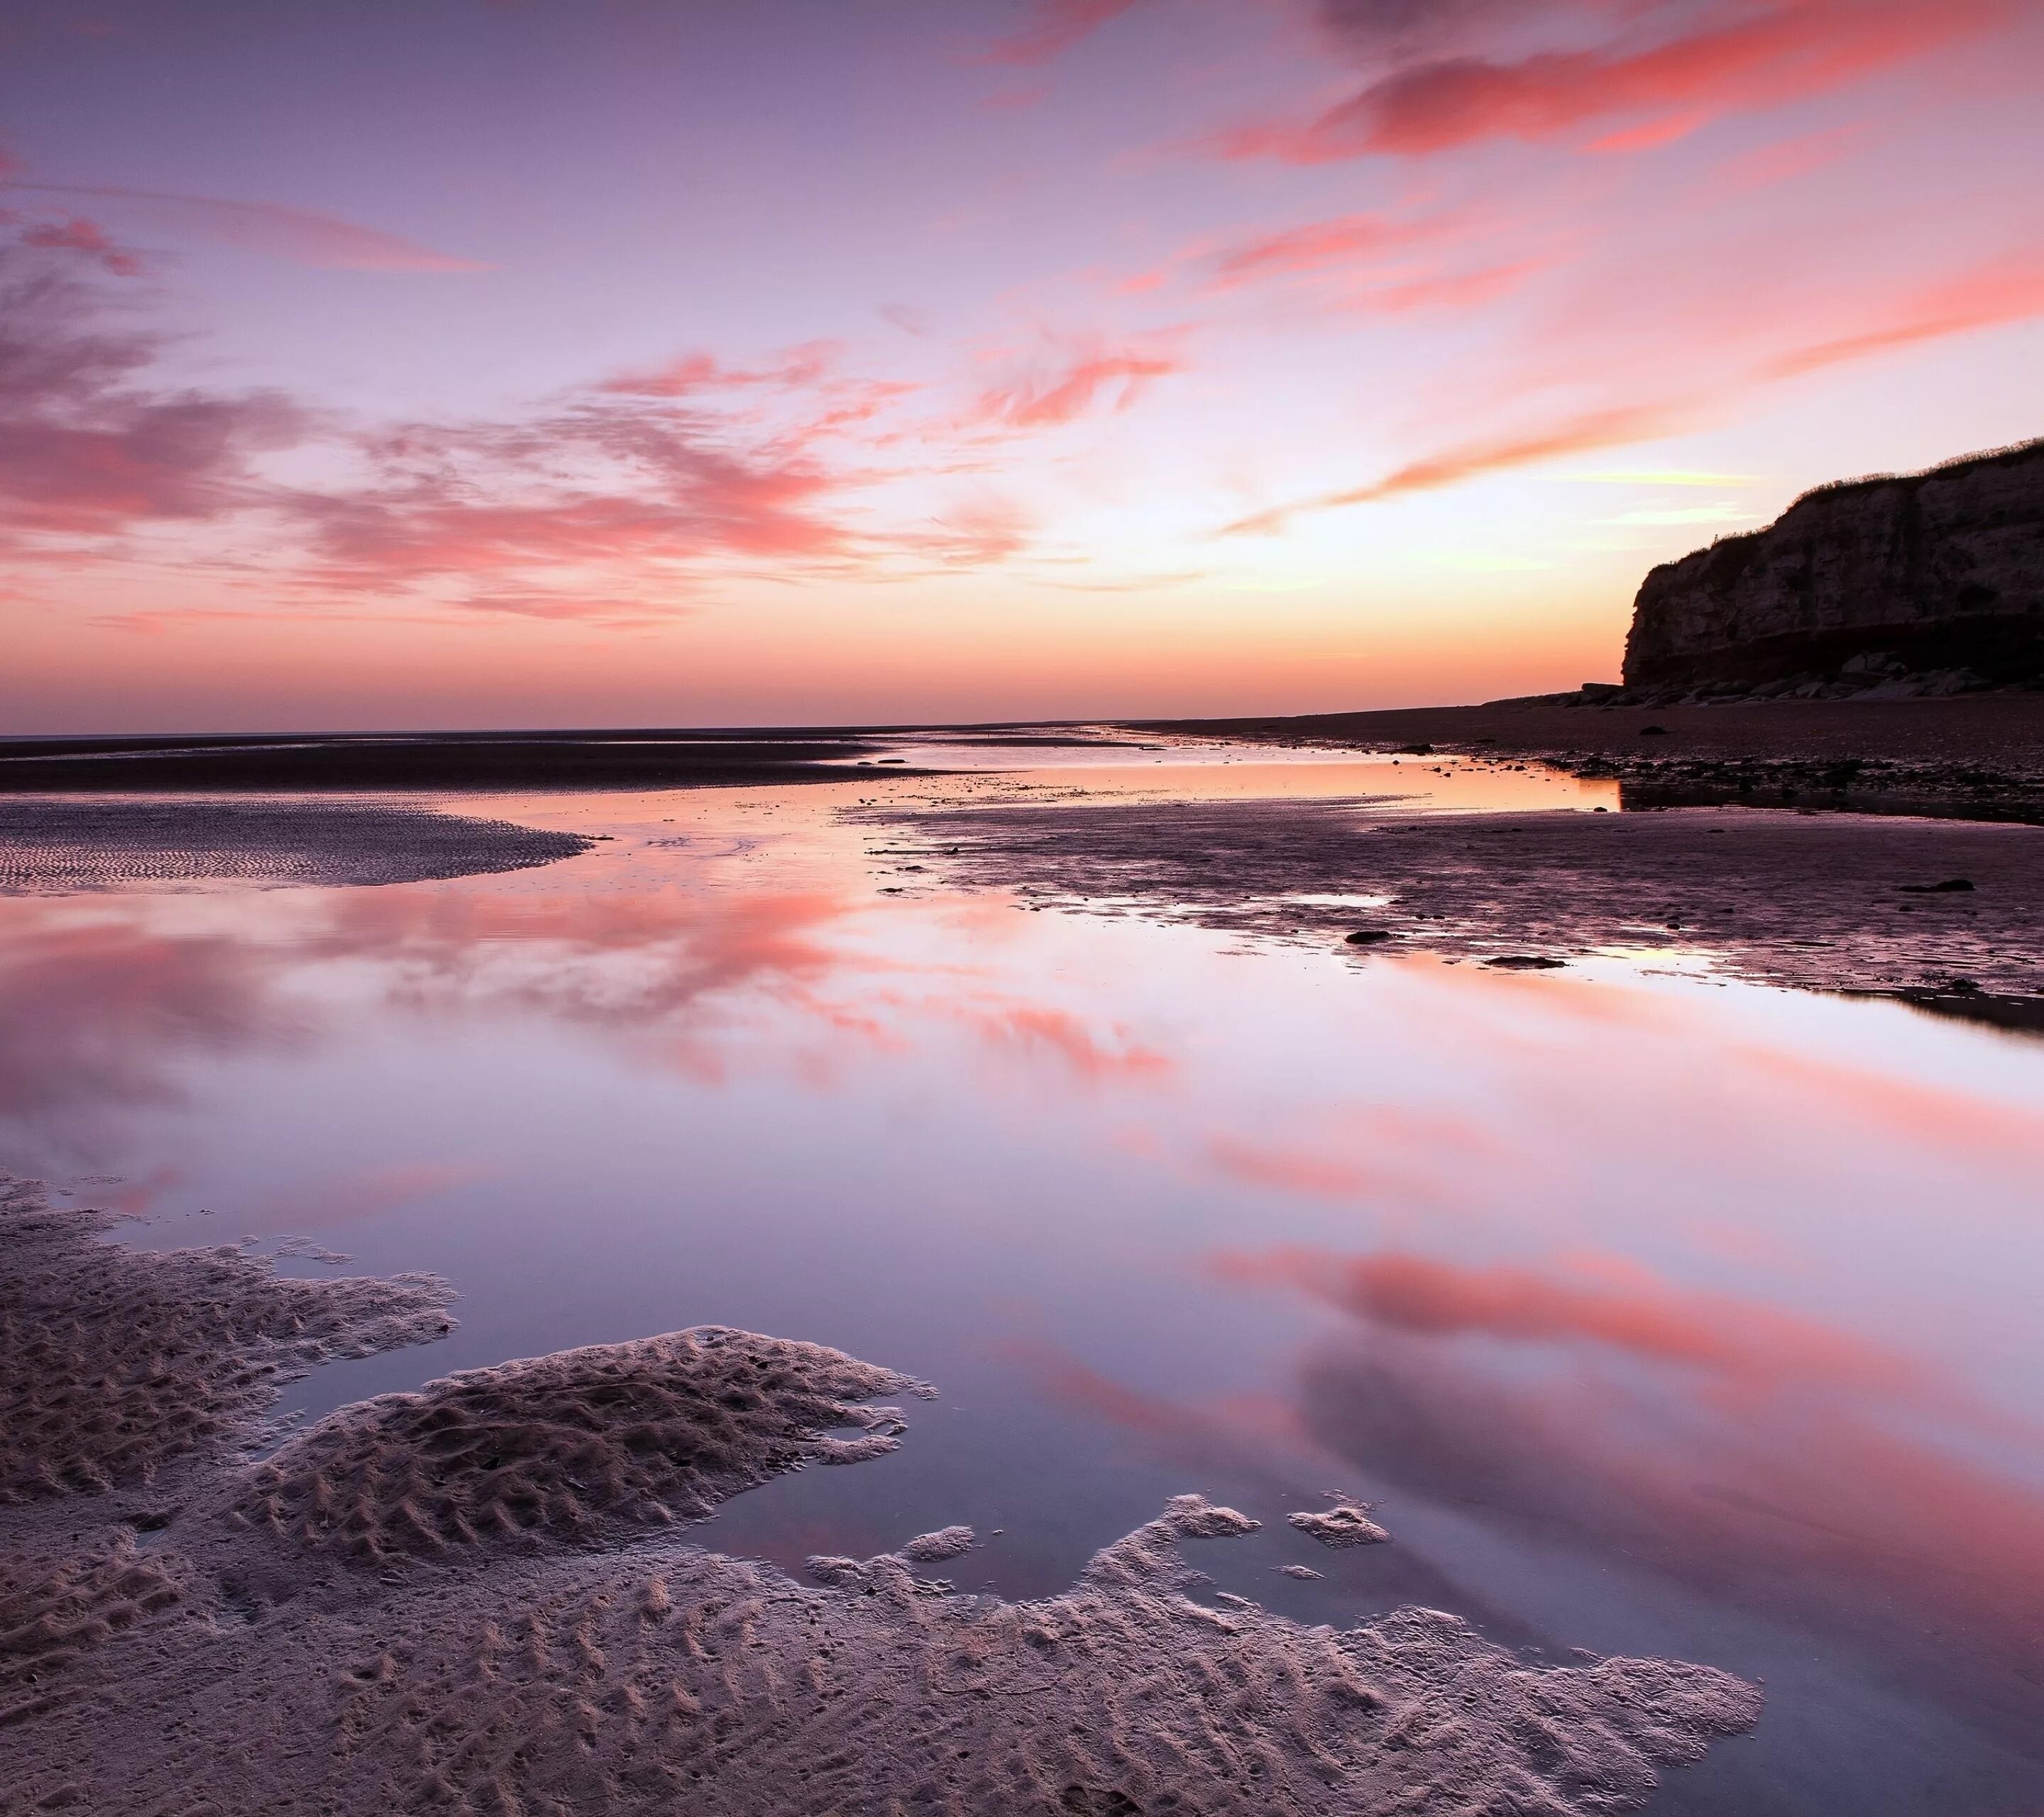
(437, 761)
(621, 1436)
(529, 1638)
(1979, 754)
(113, 1364)
(1839, 902)
(64, 846)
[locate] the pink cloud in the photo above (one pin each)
(1663, 364)
(302, 236)
(613, 506)
(804, 367)
(1581, 433)
(1737, 58)
(1447, 289)
(1292, 1169)
(78, 234)
(85, 451)
(1372, 263)
(1067, 379)
(1340, 244)
(1786, 159)
(630, 504)
(975, 532)
(559, 608)
(1053, 27)
(2007, 290)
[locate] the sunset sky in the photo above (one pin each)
(667, 362)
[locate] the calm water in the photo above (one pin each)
(1657, 1313)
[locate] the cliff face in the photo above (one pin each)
(1936, 571)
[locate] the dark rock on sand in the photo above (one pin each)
(1370, 937)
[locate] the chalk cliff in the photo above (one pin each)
(1921, 582)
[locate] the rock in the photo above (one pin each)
(1368, 937)
(945, 1543)
(1525, 962)
(1654, 731)
(1891, 587)
(1344, 1524)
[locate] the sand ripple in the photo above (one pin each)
(114, 1362)
(61, 846)
(225, 1655)
(556, 1446)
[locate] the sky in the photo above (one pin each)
(659, 363)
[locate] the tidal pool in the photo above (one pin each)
(1654, 1312)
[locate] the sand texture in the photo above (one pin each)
(682, 1681)
(1827, 901)
(63, 847)
(1342, 1525)
(224, 1652)
(935, 1548)
(113, 1362)
(565, 1446)
(54, 1605)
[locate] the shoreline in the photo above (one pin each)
(1980, 754)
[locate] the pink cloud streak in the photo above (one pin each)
(302, 236)
(1740, 59)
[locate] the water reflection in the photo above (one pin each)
(1750, 1453)
(1670, 1316)
(96, 1006)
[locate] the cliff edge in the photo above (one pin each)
(1929, 583)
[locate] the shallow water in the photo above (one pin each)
(1657, 1313)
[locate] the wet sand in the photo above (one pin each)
(438, 761)
(1826, 902)
(1980, 753)
(62, 847)
(471, 1598)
